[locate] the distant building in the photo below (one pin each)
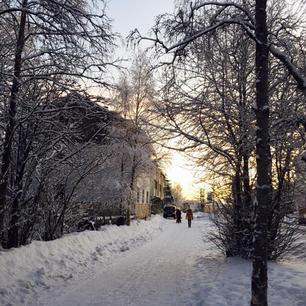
(158, 184)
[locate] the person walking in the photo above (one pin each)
(178, 215)
(189, 216)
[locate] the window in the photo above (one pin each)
(138, 196)
(143, 193)
(147, 199)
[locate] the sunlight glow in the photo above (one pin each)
(180, 172)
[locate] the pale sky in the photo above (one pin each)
(131, 14)
(128, 15)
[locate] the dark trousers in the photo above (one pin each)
(189, 223)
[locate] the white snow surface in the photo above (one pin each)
(154, 263)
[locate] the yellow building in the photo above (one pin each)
(143, 196)
(149, 187)
(158, 184)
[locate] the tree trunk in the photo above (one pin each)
(263, 159)
(13, 231)
(9, 132)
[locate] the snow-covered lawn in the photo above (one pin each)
(154, 262)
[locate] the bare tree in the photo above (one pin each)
(206, 102)
(180, 34)
(57, 46)
(63, 147)
(133, 96)
(176, 191)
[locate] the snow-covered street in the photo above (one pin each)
(155, 262)
(158, 273)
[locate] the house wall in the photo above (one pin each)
(143, 196)
(149, 185)
(142, 211)
(158, 184)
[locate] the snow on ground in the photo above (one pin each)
(27, 271)
(155, 262)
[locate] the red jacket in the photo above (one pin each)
(189, 215)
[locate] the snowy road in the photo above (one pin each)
(150, 263)
(158, 273)
(178, 268)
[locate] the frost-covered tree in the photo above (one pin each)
(51, 47)
(79, 133)
(206, 102)
(134, 95)
(131, 158)
(177, 193)
(135, 90)
(61, 151)
(179, 34)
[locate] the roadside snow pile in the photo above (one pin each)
(41, 264)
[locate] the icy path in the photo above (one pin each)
(178, 268)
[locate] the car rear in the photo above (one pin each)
(169, 211)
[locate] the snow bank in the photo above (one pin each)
(26, 270)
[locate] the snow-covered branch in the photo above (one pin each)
(299, 78)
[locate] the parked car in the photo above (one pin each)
(169, 211)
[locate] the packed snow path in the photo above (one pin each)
(178, 267)
(158, 273)
(150, 263)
